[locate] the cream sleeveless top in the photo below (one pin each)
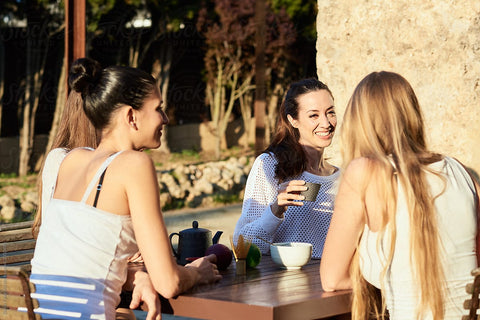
(80, 261)
(457, 222)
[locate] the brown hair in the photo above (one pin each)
(290, 155)
(75, 130)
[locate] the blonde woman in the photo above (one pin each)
(405, 218)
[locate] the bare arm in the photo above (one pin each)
(142, 193)
(346, 226)
(138, 281)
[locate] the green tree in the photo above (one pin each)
(229, 59)
(229, 34)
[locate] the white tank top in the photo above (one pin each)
(80, 260)
(457, 229)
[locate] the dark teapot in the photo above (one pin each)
(193, 242)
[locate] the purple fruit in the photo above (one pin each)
(223, 253)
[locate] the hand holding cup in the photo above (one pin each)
(311, 193)
(289, 194)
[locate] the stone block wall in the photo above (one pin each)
(199, 136)
(435, 45)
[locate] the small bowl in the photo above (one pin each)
(291, 255)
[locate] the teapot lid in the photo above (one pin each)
(195, 229)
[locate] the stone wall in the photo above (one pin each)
(435, 45)
(202, 185)
(199, 136)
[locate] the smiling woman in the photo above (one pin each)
(102, 205)
(316, 120)
(273, 206)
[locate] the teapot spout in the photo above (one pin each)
(216, 237)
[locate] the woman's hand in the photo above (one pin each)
(288, 192)
(136, 258)
(143, 291)
(206, 268)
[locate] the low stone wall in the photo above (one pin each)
(204, 184)
(193, 185)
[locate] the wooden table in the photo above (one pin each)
(265, 292)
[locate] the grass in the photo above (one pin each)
(194, 156)
(12, 179)
(226, 198)
(188, 155)
(8, 175)
(24, 185)
(175, 204)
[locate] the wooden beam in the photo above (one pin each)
(75, 32)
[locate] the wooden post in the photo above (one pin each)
(260, 90)
(74, 32)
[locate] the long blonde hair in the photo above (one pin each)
(383, 122)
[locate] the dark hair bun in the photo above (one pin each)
(84, 73)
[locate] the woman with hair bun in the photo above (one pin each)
(405, 218)
(273, 208)
(104, 205)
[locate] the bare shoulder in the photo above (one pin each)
(135, 172)
(75, 157)
(132, 162)
(359, 168)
